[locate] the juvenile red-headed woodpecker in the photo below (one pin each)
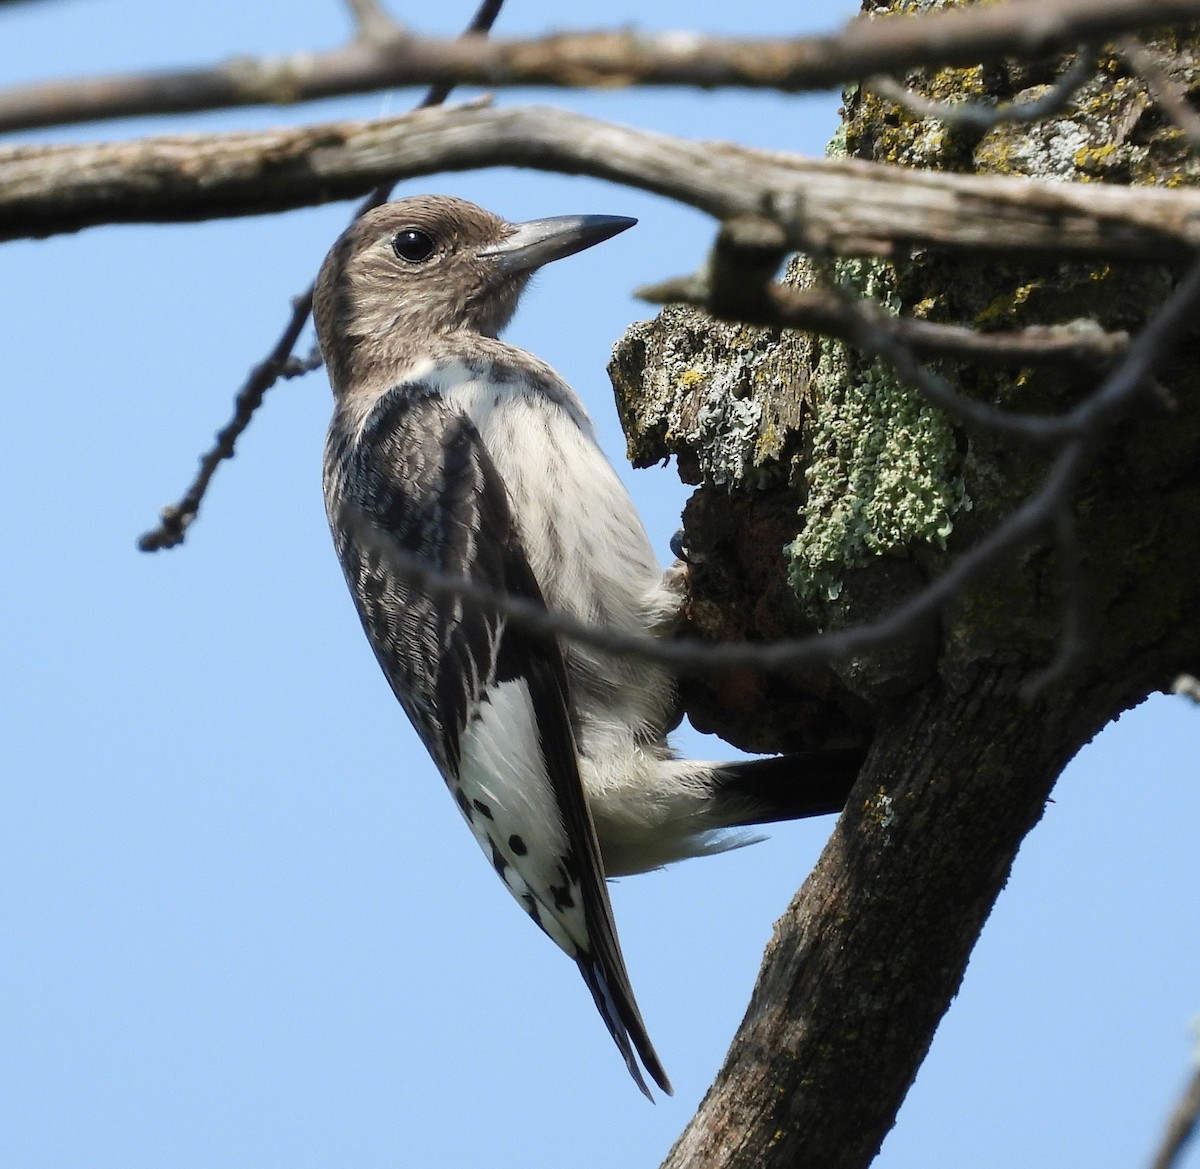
(477, 457)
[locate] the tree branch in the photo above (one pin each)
(980, 117)
(824, 311)
(601, 59)
(869, 955)
(1181, 1125)
(837, 206)
(736, 285)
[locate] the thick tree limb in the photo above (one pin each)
(872, 949)
(601, 59)
(870, 954)
(838, 206)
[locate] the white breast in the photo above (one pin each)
(585, 541)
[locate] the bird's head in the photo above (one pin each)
(429, 266)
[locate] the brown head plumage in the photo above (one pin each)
(410, 273)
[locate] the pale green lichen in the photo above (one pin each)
(882, 472)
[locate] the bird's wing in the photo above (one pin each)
(488, 698)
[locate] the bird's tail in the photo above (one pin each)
(784, 787)
(624, 1022)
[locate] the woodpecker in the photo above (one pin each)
(448, 444)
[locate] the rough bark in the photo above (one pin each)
(826, 490)
(863, 963)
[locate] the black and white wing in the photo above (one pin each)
(489, 699)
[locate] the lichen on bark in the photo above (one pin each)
(722, 398)
(881, 467)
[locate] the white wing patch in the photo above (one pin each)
(513, 812)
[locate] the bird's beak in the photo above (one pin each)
(537, 242)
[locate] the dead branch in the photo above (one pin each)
(599, 60)
(980, 117)
(836, 206)
(736, 285)
(824, 311)
(1181, 1125)
(819, 1064)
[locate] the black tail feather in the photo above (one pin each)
(625, 1025)
(786, 787)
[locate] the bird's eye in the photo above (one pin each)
(413, 245)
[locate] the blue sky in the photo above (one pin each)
(241, 924)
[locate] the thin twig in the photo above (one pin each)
(479, 27)
(1181, 1125)
(773, 657)
(176, 518)
(979, 117)
(867, 329)
(299, 366)
(819, 310)
(968, 36)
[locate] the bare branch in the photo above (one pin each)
(176, 518)
(1181, 1125)
(774, 657)
(820, 310)
(480, 26)
(976, 116)
(911, 871)
(835, 206)
(862, 49)
(735, 285)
